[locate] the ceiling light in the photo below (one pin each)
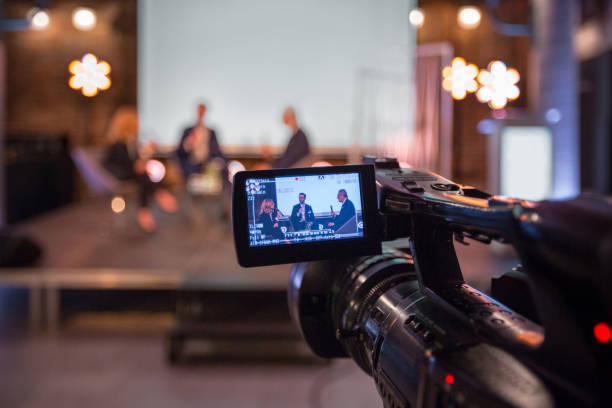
(416, 17)
(39, 18)
(469, 17)
(83, 18)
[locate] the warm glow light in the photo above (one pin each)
(459, 78)
(602, 333)
(449, 379)
(234, 167)
(416, 17)
(39, 18)
(89, 75)
(118, 204)
(321, 163)
(83, 18)
(498, 85)
(468, 17)
(155, 170)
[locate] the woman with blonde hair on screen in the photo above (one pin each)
(123, 160)
(268, 216)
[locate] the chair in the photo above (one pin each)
(349, 226)
(98, 180)
(101, 183)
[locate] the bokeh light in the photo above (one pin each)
(469, 17)
(83, 18)
(234, 167)
(89, 75)
(39, 18)
(321, 163)
(553, 116)
(460, 78)
(118, 204)
(416, 17)
(498, 85)
(155, 170)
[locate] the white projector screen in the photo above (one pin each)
(247, 60)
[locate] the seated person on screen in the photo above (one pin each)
(297, 148)
(302, 216)
(347, 211)
(268, 216)
(198, 146)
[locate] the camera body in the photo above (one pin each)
(407, 317)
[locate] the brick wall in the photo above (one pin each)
(478, 46)
(38, 96)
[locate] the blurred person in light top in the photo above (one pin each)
(123, 160)
(198, 146)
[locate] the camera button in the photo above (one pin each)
(416, 325)
(445, 187)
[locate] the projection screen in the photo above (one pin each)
(345, 65)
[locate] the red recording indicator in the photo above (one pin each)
(602, 332)
(449, 379)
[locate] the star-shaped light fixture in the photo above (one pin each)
(89, 75)
(460, 78)
(498, 85)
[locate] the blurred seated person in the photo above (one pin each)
(198, 146)
(302, 216)
(123, 160)
(268, 216)
(347, 211)
(298, 147)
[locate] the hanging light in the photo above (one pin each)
(84, 18)
(39, 18)
(89, 75)
(469, 17)
(416, 17)
(459, 78)
(498, 85)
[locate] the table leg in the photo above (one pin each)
(35, 304)
(53, 308)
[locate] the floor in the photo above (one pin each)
(117, 368)
(129, 371)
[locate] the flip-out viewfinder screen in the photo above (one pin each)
(304, 208)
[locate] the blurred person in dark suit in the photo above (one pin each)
(297, 148)
(123, 160)
(268, 216)
(302, 215)
(347, 211)
(198, 146)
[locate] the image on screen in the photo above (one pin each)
(304, 208)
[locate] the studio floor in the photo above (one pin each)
(119, 365)
(129, 371)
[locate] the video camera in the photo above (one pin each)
(405, 313)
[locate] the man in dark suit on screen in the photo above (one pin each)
(347, 212)
(302, 216)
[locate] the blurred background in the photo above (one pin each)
(123, 122)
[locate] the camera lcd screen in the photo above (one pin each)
(304, 208)
(295, 215)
